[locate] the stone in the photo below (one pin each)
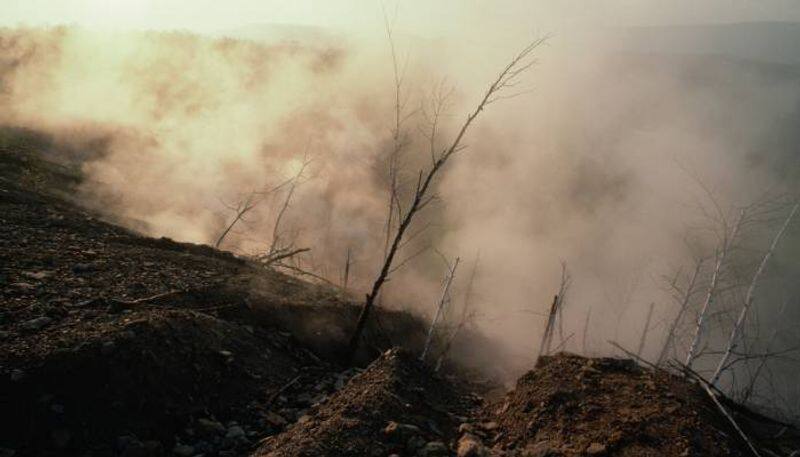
(470, 446)
(210, 426)
(596, 449)
(400, 432)
(466, 427)
(135, 449)
(414, 443)
(37, 275)
(37, 323)
(107, 347)
(235, 432)
(183, 450)
(82, 267)
(17, 375)
(434, 449)
(274, 419)
(23, 286)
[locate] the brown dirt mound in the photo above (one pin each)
(571, 405)
(395, 406)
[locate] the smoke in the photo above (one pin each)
(597, 166)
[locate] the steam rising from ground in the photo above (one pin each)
(590, 168)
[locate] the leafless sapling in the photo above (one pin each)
(748, 301)
(729, 234)
(684, 296)
(586, 331)
(555, 314)
(467, 314)
(444, 300)
(506, 79)
(643, 338)
(348, 261)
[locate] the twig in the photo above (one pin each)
(631, 354)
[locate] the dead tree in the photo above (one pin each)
(555, 314)
(684, 305)
(346, 276)
(566, 280)
(506, 79)
(748, 301)
(241, 208)
(399, 140)
(728, 238)
(275, 248)
(467, 314)
(645, 331)
(544, 347)
(443, 302)
(586, 331)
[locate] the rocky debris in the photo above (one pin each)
(470, 445)
(395, 406)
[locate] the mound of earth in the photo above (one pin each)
(396, 406)
(146, 374)
(571, 405)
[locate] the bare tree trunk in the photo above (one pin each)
(712, 288)
(644, 332)
(544, 347)
(451, 273)
(684, 306)
(748, 302)
(505, 80)
(466, 315)
(346, 276)
(586, 331)
(559, 305)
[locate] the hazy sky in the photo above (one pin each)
(425, 17)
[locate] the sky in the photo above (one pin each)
(422, 17)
